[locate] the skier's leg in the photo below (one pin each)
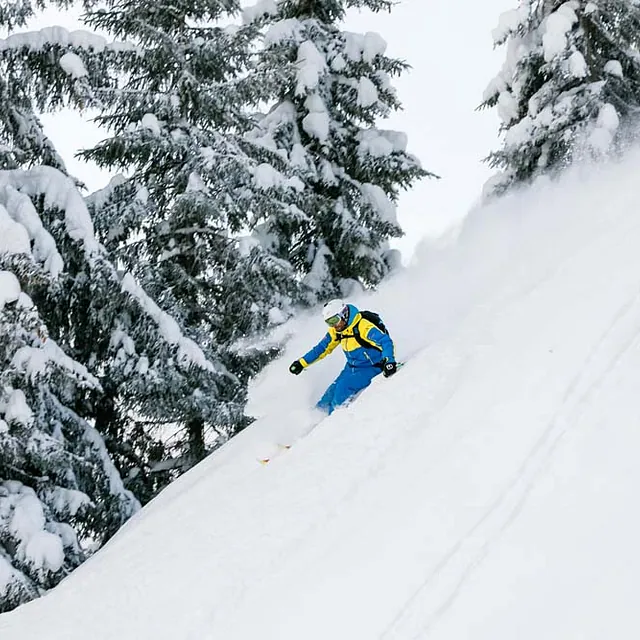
(326, 402)
(354, 381)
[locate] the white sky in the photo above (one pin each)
(449, 46)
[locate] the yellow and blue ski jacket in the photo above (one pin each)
(356, 355)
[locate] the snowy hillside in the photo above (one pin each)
(485, 492)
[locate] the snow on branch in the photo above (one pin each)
(14, 238)
(188, 350)
(380, 143)
(22, 211)
(556, 30)
(59, 36)
(73, 66)
(281, 31)
(510, 22)
(365, 47)
(60, 192)
(9, 288)
(260, 9)
(311, 66)
(96, 442)
(33, 361)
(268, 177)
(380, 202)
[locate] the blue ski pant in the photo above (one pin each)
(351, 381)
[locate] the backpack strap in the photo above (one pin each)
(361, 341)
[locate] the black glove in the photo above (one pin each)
(296, 367)
(389, 369)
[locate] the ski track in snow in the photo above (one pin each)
(416, 512)
(502, 512)
(505, 509)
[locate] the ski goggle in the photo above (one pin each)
(334, 320)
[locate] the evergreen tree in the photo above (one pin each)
(87, 356)
(152, 377)
(329, 88)
(134, 412)
(95, 347)
(58, 485)
(196, 218)
(131, 361)
(569, 87)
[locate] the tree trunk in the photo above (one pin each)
(196, 450)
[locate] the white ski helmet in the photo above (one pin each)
(335, 308)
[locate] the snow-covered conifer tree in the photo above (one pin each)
(570, 84)
(95, 350)
(328, 89)
(107, 320)
(88, 358)
(58, 485)
(201, 216)
(130, 361)
(152, 376)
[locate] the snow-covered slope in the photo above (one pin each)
(485, 492)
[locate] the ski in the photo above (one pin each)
(281, 449)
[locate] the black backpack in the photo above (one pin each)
(375, 320)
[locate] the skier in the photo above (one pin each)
(367, 347)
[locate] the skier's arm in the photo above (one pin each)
(321, 350)
(382, 340)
